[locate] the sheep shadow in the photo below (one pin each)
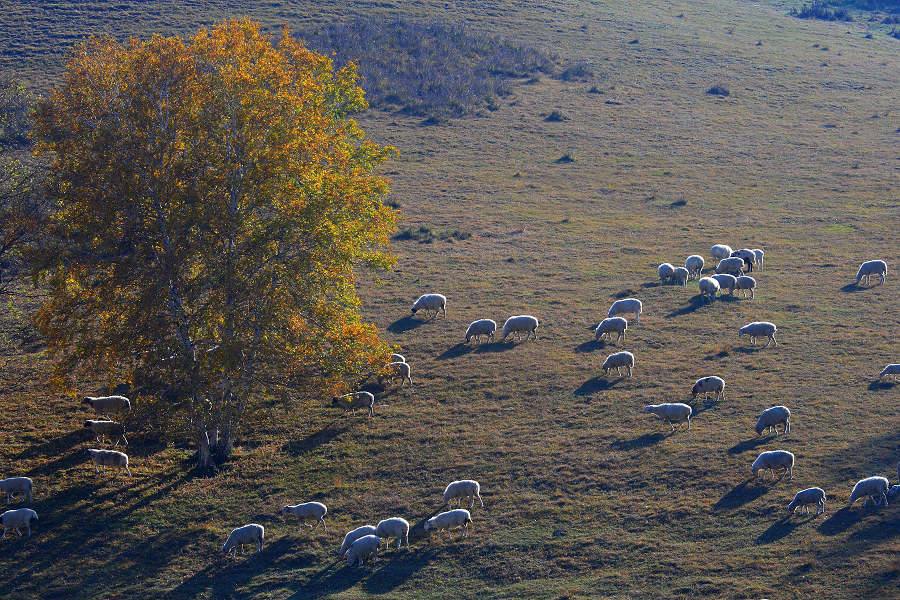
(406, 323)
(841, 520)
(643, 441)
(779, 529)
(590, 346)
(494, 347)
(854, 287)
(456, 351)
(67, 461)
(596, 384)
(397, 570)
(312, 441)
(651, 284)
(749, 349)
(56, 446)
(740, 495)
(746, 445)
(695, 303)
(879, 384)
(707, 405)
(880, 531)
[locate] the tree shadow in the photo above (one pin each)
(740, 495)
(879, 384)
(590, 346)
(312, 441)
(695, 303)
(495, 347)
(404, 324)
(642, 441)
(456, 351)
(57, 446)
(596, 384)
(748, 445)
(67, 461)
(841, 520)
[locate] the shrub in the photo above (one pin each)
(556, 117)
(578, 70)
(718, 90)
(819, 10)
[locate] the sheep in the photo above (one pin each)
(520, 324)
(875, 488)
(726, 282)
(309, 511)
(894, 492)
(759, 329)
(760, 257)
(107, 405)
(869, 268)
(748, 256)
(112, 429)
(393, 528)
(671, 413)
(627, 306)
(481, 327)
(772, 418)
(664, 271)
(694, 264)
(398, 358)
(709, 287)
(354, 535)
(720, 251)
(102, 458)
(458, 517)
(20, 517)
(244, 536)
(12, 486)
(893, 369)
(363, 550)
(705, 385)
(679, 276)
(396, 370)
(428, 303)
(608, 326)
(805, 498)
(774, 460)
(464, 488)
(744, 283)
(357, 400)
(617, 361)
(731, 266)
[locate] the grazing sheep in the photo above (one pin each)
(627, 306)
(671, 413)
(664, 271)
(247, 535)
(726, 282)
(520, 324)
(744, 283)
(759, 329)
(760, 259)
(458, 517)
(893, 369)
(774, 460)
(309, 511)
(748, 256)
(617, 361)
(720, 251)
(709, 287)
(806, 498)
(608, 326)
(396, 370)
(431, 303)
(875, 488)
(393, 528)
(354, 535)
(20, 517)
(464, 488)
(869, 268)
(12, 486)
(357, 400)
(363, 550)
(772, 418)
(112, 458)
(108, 405)
(694, 264)
(731, 266)
(707, 385)
(101, 429)
(679, 276)
(398, 358)
(481, 327)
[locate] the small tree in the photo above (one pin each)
(213, 199)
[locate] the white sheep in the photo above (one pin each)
(731, 266)
(720, 251)
(664, 271)
(607, 327)
(11, 486)
(398, 358)
(671, 413)
(748, 256)
(102, 429)
(19, 517)
(760, 257)
(112, 458)
(354, 535)
(707, 385)
(772, 418)
(458, 517)
(726, 282)
(520, 324)
(774, 460)
(759, 329)
(617, 361)
(247, 535)
(875, 488)
(108, 405)
(462, 489)
(869, 268)
(627, 306)
(679, 276)
(355, 400)
(744, 283)
(806, 498)
(308, 511)
(397, 370)
(431, 303)
(393, 528)
(709, 287)
(481, 327)
(694, 264)
(363, 550)
(893, 369)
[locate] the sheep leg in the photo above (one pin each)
(19, 533)
(4, 533)
(689, 422)
(95, 468)
(127, 471)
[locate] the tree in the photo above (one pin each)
(213, 202)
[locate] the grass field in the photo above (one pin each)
(584, 496)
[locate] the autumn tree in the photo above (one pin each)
(213, 200)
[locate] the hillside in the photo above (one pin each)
(584, 496)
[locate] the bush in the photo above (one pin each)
(718, 90)
(578, 70)
(556, 117)
(819, 10)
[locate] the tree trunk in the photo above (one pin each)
(226, 443)
(204, 455)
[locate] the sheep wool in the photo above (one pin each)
(627, 306)
(363, 550)
(481, 327)
(772, 417)
(432, 304)
(618, 361)
(774, 460)
(520, 324)
(464, 489)
(13, 486)
(709, 385)
(694, 265)
(14, 519)
(607, 327)
(875, 488)
(709, 287)
(806, 498)
(308, 511)
(869, 268)
(671, 413)
(111, 458)
(248, 535)
(759, 329)
(458, 517)
(393, 528)
(356, 400)
(354, 535)
(664, 271)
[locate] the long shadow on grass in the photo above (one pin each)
(748, 445)
(397, 570)
(853, 287)
(881, 385)
(495, 347)
(313, 441)
(596, 384)
(642, 441)
(779, 529)
(56, 446)
(456, 351)
(590, 346)
(740, 495)
(696, 303)
(404, 324)
(841, 520)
